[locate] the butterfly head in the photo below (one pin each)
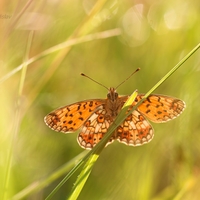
(112, 94)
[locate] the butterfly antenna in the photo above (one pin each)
(94, 81)
(128, 77)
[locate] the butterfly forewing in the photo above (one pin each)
(160, 108)
(70, 118)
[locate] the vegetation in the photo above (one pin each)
(45, 47)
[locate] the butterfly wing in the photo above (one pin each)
(94, 129)
(70, 118)
(160, 108)
(135, 130)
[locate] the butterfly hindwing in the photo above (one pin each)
(94, 129)
(135, 130)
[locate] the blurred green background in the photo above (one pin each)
(152, 35)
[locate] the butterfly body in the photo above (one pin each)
(93, 117)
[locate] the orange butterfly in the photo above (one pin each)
(93, 118)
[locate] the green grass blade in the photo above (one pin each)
(95, 152)
(16, 121)
(172, 71)
(82, 178)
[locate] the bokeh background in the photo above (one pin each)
(152, 35)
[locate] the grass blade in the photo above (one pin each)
(95, 152)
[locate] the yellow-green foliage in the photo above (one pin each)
(45, 45)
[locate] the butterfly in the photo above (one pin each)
(93, 118)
